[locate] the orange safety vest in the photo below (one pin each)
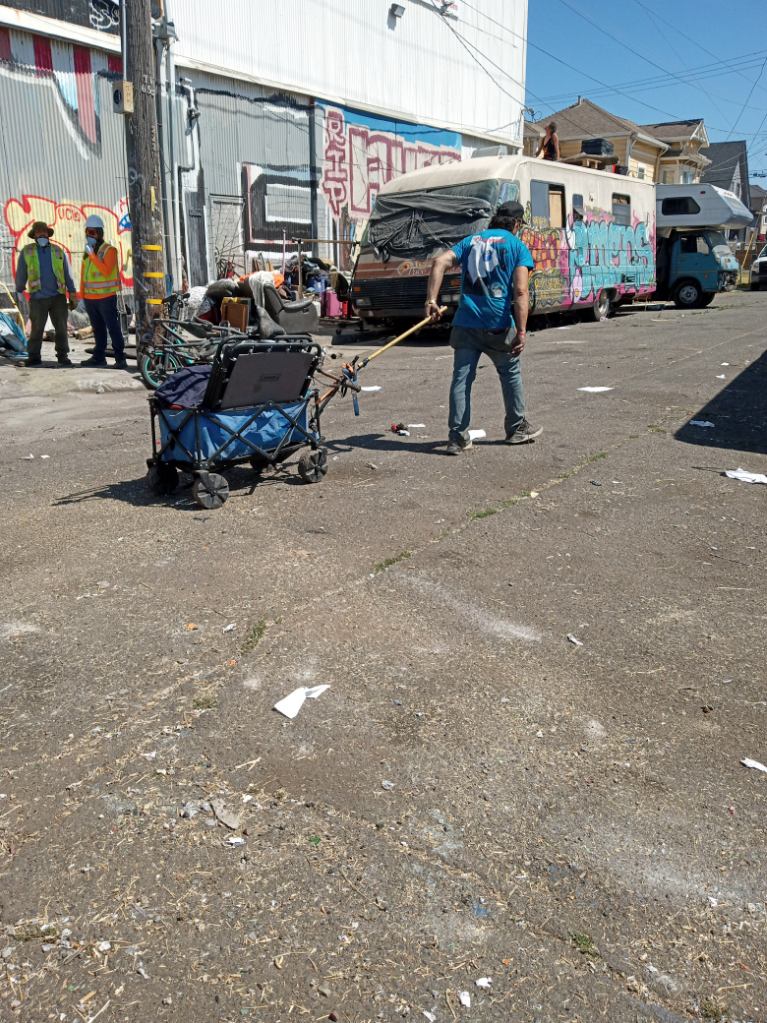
(95, 284)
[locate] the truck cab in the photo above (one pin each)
(693, 266)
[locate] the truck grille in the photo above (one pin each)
(400, 293)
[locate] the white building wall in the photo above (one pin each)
(463, 70)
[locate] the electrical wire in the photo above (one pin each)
(750, 94)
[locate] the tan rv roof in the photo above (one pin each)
(483, 169)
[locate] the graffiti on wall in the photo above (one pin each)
(68, 222)
(573, 264)
(101, 14)
(362, 152)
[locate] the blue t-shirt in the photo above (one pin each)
(488, 261)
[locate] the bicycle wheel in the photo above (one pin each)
(156, 366)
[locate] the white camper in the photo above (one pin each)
(699, 205)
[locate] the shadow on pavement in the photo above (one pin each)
(738, 412)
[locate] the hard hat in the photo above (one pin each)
(94, 222)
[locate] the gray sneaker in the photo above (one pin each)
(455, 447)
(524, 433)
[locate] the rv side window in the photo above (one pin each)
(547, 204)
(679, 204)
(578, 207)
(621, 209)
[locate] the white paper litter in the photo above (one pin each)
(463, 996)
(477, 434)
(44, 456)
(484, 982)
(230, 627)
(702, 422)
(372, 388)
(595, 390)
(746, 477)
(574, 639)
(27, 458)
(416, 426)
(290, 705)
(234, 841)
(721, 376)
(754, 765)
(388, 785)
(430, 1016)
(724, 364)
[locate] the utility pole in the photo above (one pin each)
(144, 176)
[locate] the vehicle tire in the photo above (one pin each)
(162, 479)
(155, 368)
(754, 286)
(687, 295)
(313, 465)
(706, 299)
(602, 307)
(210, 491)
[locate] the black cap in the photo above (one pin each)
(511, 210)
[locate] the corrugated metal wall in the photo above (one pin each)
(464, 72)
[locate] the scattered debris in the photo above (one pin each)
(372, 388)
(190, 810)
(724, 364)
(399, 428)
(27, 458)
(705, 423)
(104, 946)
(746, 477)
(534, 493)
(721, 376)
(191, 627)
(754, 765)
(291, 704)
(234, 841)
(230, 627)
(574, 639)
(416, 426)
(477, 435)
(463, 996)
(484, 982)
(430, 1016)
(595, 390)
(388, 785)
(43, 457)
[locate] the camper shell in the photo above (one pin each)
(699, 205)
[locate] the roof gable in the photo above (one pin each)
(584, 119)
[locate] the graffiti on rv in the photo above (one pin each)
(573, 264)
(68, 222)
(362, 152)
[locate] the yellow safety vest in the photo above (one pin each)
(31, 255)
(94, 283)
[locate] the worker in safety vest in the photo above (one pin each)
(43, 272)
(99, 287)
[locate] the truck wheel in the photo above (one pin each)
(602, 307)
(687, 295)
(754, 285)
(706, 299)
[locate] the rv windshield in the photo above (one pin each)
(718, 243)
(416, 225)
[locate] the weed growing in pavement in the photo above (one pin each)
(253, 636)
(207, 702)
(381, 566)
(711, 1008)
(656, 428)
(483, 513)
(585, 945)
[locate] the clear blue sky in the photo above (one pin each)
(656, 39)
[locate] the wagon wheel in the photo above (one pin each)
(313, 465)
(162, 479)
(210, 491)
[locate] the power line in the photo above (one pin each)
(750, 94)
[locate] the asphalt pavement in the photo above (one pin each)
(521, 798)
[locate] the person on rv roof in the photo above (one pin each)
(549, 147)
(494, 270)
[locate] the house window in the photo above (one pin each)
(640, 173)
(687, 177)
(547, 204)
(679, 204)
(621, 209)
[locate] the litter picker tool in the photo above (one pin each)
(348, 379)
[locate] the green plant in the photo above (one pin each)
(253, 636)
(381, 566)
(585, 944)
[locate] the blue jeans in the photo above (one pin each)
(469, 346)
(105, 318)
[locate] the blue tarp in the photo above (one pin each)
(12, 337)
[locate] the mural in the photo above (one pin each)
(573, 264)
(361, 152)
(68, 222)
(103, 15)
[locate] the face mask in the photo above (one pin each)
(42, 242)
